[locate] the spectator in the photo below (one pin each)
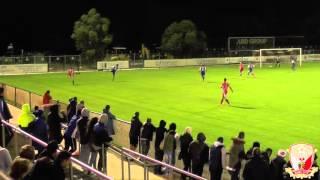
(160, 132)
(44, 165)
(69, 134)
(199, 153)
(27, 152)
(256, 168)
(236, 156)
(71, 108)
(39, 129)
(6, 116)
(217, 159)
(146, 136)
(25, 118)
(54, 123)
(185, 141)
(93, 151)
(111, 118)
(135, 129)
(62, 162)
(80, 106)
(82, 125)
(266, 155)
(5, 160)
(20, 168)
(249, 153)
(47, 98)
(170, 144)
(101, 137)
(276, 166)
(51, 150)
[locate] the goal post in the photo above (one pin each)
(284, 52)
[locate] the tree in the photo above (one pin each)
(91, 34)
(182, 39)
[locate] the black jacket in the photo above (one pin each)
(135, 127)
(147, 131)
(256, 168)
(185, 141)
(100, 135)
(199, 152)
(43, 169)
(215, 158)
(4, 110)
(82, 128)
(54, 123)
(160, 131)
(276, 168)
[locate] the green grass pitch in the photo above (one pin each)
(278, 107)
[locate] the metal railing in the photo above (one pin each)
(76, 161)
(147, 158)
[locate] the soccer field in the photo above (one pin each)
(278, 107)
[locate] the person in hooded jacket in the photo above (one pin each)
(39, 129)
(71, 108)
(199, 153)
(170, 144)
(237, 154)
(217, 160)
(26, 117)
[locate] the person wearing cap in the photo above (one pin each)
(276, 166)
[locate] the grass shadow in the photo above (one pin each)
(242, 107)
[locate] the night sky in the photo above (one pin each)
(46, 26)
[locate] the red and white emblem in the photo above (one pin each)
(301, 160)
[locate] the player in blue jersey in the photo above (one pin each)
(203, 71)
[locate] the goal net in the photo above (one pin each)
(283, 55)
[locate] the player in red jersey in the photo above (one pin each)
(71, 74)
(241, 67)
(225, 86)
